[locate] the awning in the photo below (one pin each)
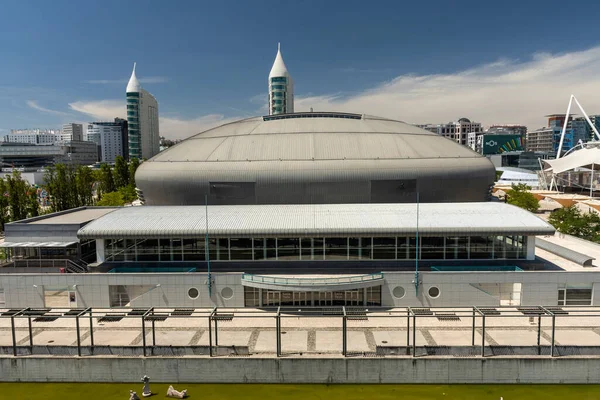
(36, 244)
(584, 158)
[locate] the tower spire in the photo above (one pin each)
(281, 87)
(134, 85)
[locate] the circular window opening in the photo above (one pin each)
(434, 292)
(227, 293)
(193, 293)
(398, 292)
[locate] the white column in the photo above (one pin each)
(99, 251)
(531, 247)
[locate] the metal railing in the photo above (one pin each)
(68, 264)
(401, 323)
(275, 280)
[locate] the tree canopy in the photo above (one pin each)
(69, 187)
(520, 196)
(571, 221)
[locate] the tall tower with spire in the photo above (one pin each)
(281, 87)
(142, 121)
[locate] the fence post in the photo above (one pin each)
(553, 333)
(210, 349)
(14, 335)
(144, 335)
(91, 330)
(153, 329)
(414, 352)
(483, 335)
(344, 333)
(539, 329)
(30, 334)
(408, 327)
(78, 335)
(473, 329)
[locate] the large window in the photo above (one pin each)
(336, 248)
(384, 248)
(240, 248)
(288, 249)
(432, 248)
(575, 294)
(331, 248)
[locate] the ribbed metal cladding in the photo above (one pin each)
(315, 160)
(316, 220)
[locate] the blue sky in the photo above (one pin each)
(207, 62)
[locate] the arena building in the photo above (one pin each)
(315, 158)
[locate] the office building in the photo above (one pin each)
(23, 155)
(547, 139)
(33, 136)
(72, 132)
(463, 131)
(109, 136)
(281, 87)
(142, 121)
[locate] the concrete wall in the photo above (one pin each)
(291, 370)
(171, 289)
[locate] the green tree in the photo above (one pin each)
(121, 172)
(4, 209)
(520, 196)
(107, 183)
(128, 193)
(134, 163)
(84, 181)
(22, 198)
(571, 221)
(112, 199)
(61, 184)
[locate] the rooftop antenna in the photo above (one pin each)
(207, 250)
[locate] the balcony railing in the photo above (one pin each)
(274, 280)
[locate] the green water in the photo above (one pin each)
(105, 391)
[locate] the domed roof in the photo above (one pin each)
(465, 120)
(134, 85)
(313, 136)
(278, 69)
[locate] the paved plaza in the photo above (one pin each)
(306, 334)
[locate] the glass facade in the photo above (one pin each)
(135, 149)
(254, 297)
(317, 248)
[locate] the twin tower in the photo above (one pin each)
(281, 87)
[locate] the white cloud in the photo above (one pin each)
(503, 92)
(170, 127)
(506, 91)
(33, 104)
(149, 79)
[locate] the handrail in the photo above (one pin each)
(66, 263)
(311, 281)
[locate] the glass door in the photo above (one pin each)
(301, 298)
(273, 298)
(324, 299)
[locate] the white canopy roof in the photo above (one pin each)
(584, 158)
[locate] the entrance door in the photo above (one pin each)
(324, 299)
(352, 298)
(301, 298)
(273, 298)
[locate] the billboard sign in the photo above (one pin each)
(498, 144)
